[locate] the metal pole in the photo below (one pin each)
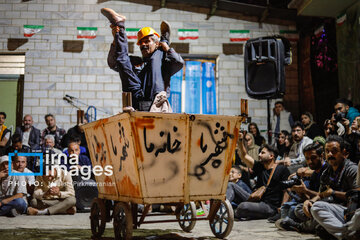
(268, 121)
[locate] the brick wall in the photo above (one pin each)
(51, 73)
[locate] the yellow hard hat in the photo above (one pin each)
(145, 31)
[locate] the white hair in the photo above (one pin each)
(51, 137)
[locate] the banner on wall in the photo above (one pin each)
(208, 88)
(86, 32)
(191, 34)
(239, 35)
(192, 87)
(30, 30)
(175, 93)
(291, 35)
(131, 33)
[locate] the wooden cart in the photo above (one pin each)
(158, 158)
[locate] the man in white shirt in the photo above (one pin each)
(19, 165)
(12, 191)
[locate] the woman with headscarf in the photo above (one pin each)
(311, 128)
(254, 130)
(252, 148)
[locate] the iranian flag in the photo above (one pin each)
(30, 30)
(291, 35)
(191, 34)
(318, 32)
(86, 32)
(239, 35)
(341, 19)
(131, 33)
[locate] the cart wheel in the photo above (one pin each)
(98, 217)
(123, 221)
(223, 221)
(187, 212)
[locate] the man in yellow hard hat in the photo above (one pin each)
(147, 77)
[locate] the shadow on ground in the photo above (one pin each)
(75, 234)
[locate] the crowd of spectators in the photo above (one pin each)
(55, 191)
(309, 176)
(308, 180)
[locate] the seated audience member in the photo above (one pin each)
(54, 194)
(353, 138)
(29, 134)
(12, 191)
(344, 109)
(52, 129)
(83, 160)
(19, 165)
(5, 135)
(83, 150)
(273, 196)
(254, 130)
(237, 191)
(251, 147)
(16, 144)
(75, 132)
(311, 128)
(50, 144)
(328, 207)
(329, 128)
(320, 140)
(281, 145)
(296, 158)
(295, 218)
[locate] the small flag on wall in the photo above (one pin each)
(191, 34)
(291, 35)
(318, 32)
(86, 32)
(341, 19)
(239, 35)
(131, 33)
(30, 30)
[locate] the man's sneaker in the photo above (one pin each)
(165, 31)
(13, 213)
(278, 224)
(290, 225)
(32, 211)
(274, 218)
(113, 16)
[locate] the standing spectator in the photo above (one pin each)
(273, 196)
(52, 129)
(312, 130)
(282, 119)
(30, 135)
(344, 109)
(335, 181)
(5, 135)
(296, 158)
(254, 130)
(12, 191)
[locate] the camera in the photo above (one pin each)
(339, 116)
(295, 180)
